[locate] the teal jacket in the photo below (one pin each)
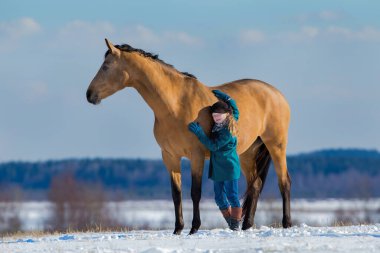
(224, 160)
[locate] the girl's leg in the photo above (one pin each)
(220, 195)
(232, 193)
(221, 201)
(227, 215)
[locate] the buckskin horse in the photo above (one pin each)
(178, 98)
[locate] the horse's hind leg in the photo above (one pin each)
(277, 150)
(173, 165)
(254, 184)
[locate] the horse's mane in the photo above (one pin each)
(128, 48)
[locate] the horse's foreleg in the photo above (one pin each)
(173, 165)
(197, 163)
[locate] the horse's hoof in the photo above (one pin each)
(246, 226)
(286, 223)
(193, 231)
(177, 231)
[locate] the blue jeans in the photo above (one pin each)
(226, 194)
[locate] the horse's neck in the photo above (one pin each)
(164, 90)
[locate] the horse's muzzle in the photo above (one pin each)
(92, 98)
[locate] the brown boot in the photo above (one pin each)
(227, 215)
(236, 213)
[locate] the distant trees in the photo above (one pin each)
(10, 197)
(78, 205)
(336, 173)
(323, 174)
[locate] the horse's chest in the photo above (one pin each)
(171, 137)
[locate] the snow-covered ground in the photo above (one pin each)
(159, 214)
(265, 239)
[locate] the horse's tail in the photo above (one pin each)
(262, 160)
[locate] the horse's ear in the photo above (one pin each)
(112, 48)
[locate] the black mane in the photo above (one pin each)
(128, 48)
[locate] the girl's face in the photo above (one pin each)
(219, 117)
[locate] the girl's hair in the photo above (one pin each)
(232, 125)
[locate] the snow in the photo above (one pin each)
(317, 236)
(159, 214)
(303, 238)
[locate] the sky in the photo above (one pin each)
(324, 56)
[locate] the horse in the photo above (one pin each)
(178, 98)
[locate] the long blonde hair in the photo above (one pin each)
(232, 125)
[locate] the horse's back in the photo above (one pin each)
(248, 85)
(246, 90)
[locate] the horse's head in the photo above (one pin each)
(110, 78)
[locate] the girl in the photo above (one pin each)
(224, 167)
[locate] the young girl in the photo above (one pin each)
(224, 167)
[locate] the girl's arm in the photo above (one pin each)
(211, 144)
(231, 102)
(234, 107)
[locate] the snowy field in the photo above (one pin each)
(265, 239)
(159, 214)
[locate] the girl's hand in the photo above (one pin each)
(194, 127)
(219, 94)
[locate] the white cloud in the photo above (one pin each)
(363, 34)
(142, 35)
(79, 34)
(366, 34)
(19, 28)
(13, 33)
(85, 29)
(145, 34)
(182, 38)
(340, 31)
(327, 30)
(369, 34)
(325, 15)
(310, 31)
(251, 36)
(305, 33)
(329, 15)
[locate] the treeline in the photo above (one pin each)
(334, 173)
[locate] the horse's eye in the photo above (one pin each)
(105, 68)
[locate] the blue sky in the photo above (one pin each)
(324, 56)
